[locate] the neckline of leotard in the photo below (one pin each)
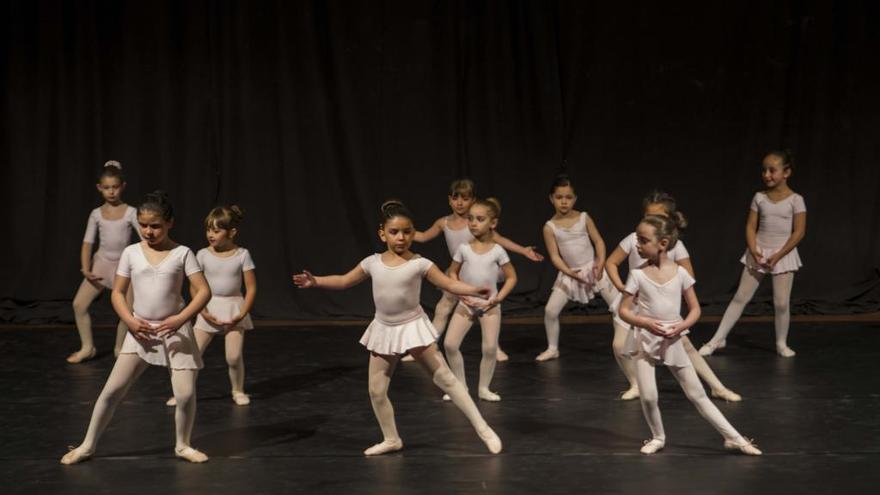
(468, 244)
(577, 222)
(144, 254)
(233, 255)
(664, 284)
(447, 227)
(101, 214)
(780, 201)
(379, 257)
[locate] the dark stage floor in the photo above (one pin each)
(815, 416)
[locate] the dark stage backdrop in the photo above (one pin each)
(309, 114)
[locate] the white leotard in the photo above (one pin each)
(481, 270)
(455, 238)
(114, 235)
(775, 223)
(574, 242)
(396, 289)
(224, 273)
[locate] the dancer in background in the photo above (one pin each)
(776, 224)
(113, 223)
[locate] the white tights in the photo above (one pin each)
(126, 371)
(444, 308)
(382, 368)
(234, 341)
(748, 284)
(690, 384)
(85, 296)
(459, 325)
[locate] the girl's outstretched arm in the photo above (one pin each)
(457, 287)
(306, 280)
(431, 233)
(527, 251)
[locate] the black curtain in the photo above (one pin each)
(309, 114)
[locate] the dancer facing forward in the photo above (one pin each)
(478, 263)
(776, 224)
(159, 329)
(454, 227)
(400, 324)
(577, 250)
(228, 312)
(113, 222)
(656, 203)
(658, 285)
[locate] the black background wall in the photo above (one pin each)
(309, 114)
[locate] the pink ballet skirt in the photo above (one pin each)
(397, 338)
(641, 343)
(104, 268)
(224, 308)
(176, 351)
(791, 262)
(578, 290)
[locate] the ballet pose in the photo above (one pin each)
(656, 203)
(159, 328)
(400, 324)
(226, 265)
(454, 228)
(113, 223)
(652, 305)
(577, 250)
(776, 224)
(479, 263)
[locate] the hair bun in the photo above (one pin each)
(237, 211)
(681, 222)
(113, 163)
(391, 203)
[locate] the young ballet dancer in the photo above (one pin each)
(113, 223)
(225, 266)
(577, 250)
(462, 194)
(652, 305)
(479, 263)
(400, 324)
(775, 226)
(160, 332)
(663, 204)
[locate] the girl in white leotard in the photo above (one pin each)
(462, 195)
(112, 223)
(159, 326)
(227, 267)
(479, 263)
(652, 305)
(400, 325)
(577, 250)
(655, 203)
(776, 225)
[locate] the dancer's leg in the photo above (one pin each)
(782, 284)
(235, 361)
(381, 370)
(490, 324)
(125, 372)
(459, 325)
(85, 295)
(705, 372)
(748, 284)
(555, 304)
(184, 384)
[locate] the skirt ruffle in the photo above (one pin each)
(579, 290)
(791, 262)
(386, 338)
(659, 350)
(224, 308)
(177, 351)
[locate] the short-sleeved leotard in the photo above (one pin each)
(224, 276)
(578, 253)
(400, 323)
(775, 223)
(113, 236)
(661, 302)
(157, 295)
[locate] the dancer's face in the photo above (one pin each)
(111, 189)
(774, 172)
(647, 243)
(461, 202)
(563, 199)
(480, 221)
(154, 229)
(220, 238)
(398, 234)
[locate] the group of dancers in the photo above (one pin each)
(156, 326)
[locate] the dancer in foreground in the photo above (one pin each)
(400, 324)
(656, 203)
(776, 224)
(658, 285)
(160, 332)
